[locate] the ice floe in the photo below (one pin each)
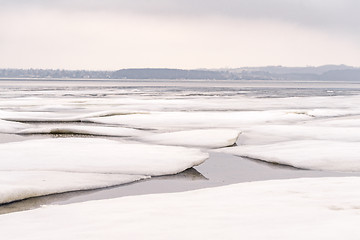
(193, 120)
(97, 156)
(58, 116)
(11, 127)
(84, 130)
(39, 167)
(18, 185)
(308, 154)
(265, 134)
(204, 138)
(319, 208)
(353, 121)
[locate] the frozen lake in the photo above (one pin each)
(267, 113)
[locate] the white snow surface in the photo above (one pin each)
(353, 121)
(196, 120)
(266, 134)
(46, 166)
(97, 156)
(85, 130)
(308, 154)
(61, 116)
(318, 208)
(11, 127)
(18, 185)
(204, 138)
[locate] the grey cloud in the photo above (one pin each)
(327, 14)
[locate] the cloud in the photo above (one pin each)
(326, 14)
(112, 34)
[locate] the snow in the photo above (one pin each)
(18, 185)
(68, 116)
(196, 120)
(266, 134)
(323, 208)
(308, 154)
(97, 156)
(39, 167)
(205, 138)
(353, 121)
(326, 112)
(37, 116)
(11, 127)
(85, 130)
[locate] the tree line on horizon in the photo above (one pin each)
(326, 72)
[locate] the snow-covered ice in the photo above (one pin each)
(204, 138)
(196, 120)
(99, 160)
(97, 156)
(18, 185)
(61, 116)
(322, 208)
(345, 122)
(265, 134)
(11, 127)
(308, 154)
(84, 130)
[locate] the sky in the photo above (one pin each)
(190, 34)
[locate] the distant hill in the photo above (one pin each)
(326, 72)
(165, 73)
(346, 75)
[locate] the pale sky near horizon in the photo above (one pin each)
(114, 34)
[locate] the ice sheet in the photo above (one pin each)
(85, 130)
(353, 121)
(11, 127)
(308, 154)
(40, 167)
(205, 138)
(266, 134)
(193, 120)
(323, 208)
(97, 156)
(18, 185)
(165, 101)
(59, 116)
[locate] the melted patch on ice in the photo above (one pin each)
(308, 154)
(325, 208)
(205, 138)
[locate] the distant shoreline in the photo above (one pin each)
(322, 73)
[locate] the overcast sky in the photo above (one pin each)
(114, 34)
